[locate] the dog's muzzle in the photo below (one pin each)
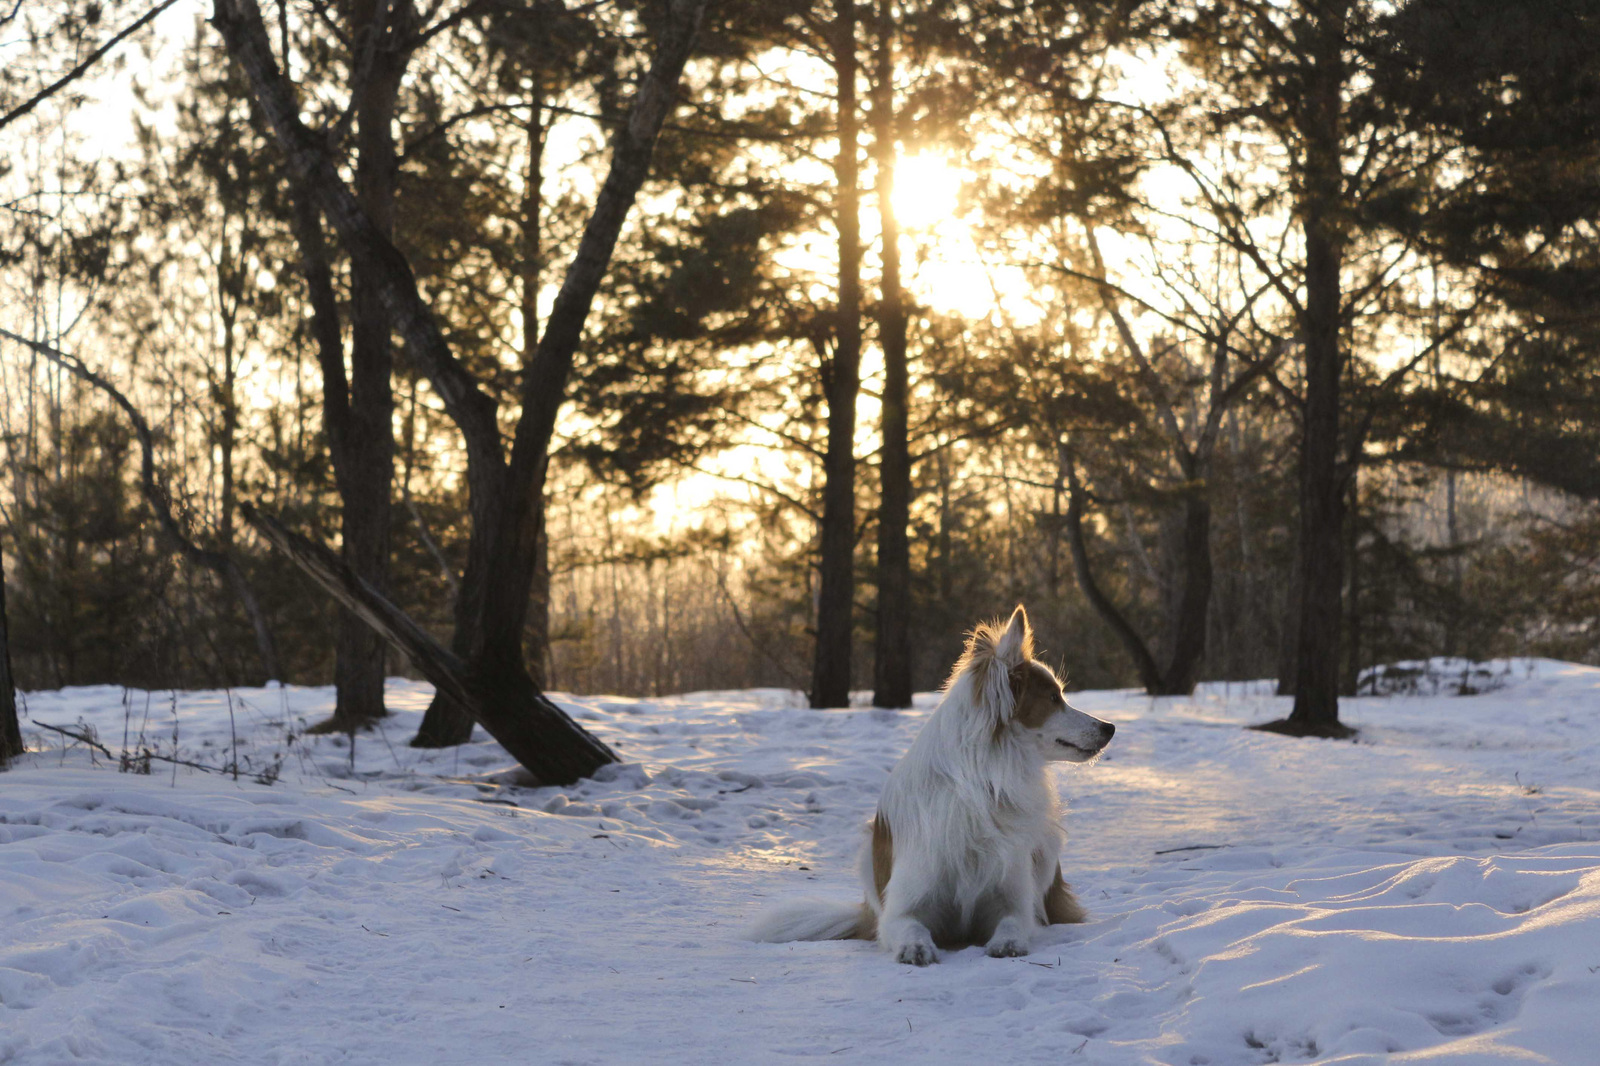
(1106, 732)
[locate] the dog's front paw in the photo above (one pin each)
(1009, 940)
(1006, 948)
(916, 953)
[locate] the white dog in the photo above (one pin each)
(967, 840)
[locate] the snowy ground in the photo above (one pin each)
(1431, 894)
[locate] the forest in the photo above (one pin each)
(653, 346)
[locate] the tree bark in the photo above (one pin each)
(892, 649)
(447, 722)
(830, 675)
(363, 452)
(10, 727)
(530, 277)
(540, 660)
(1320, 540)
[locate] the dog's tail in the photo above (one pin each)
(814, 919)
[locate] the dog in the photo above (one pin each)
(966, 843)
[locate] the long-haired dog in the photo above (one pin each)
(966, 844)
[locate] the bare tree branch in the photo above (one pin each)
(310, 163)
(78, 71)
(1152, 380)
(220, 563)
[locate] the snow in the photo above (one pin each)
(1430, 894)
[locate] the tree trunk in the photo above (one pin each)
(532, 729)
(1145, 663)
(544, 383)
(446, 723)
(363, 455)
(228, 433)
(530, 277)
(1321, 542)
(830, 676)
(10, 727)
(1453, 541)
(1187, 624)
(540, 661)
(892, 650)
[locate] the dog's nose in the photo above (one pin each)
(1107, 730)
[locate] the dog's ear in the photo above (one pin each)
(1016, 643)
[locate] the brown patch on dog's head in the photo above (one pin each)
(1037, 693)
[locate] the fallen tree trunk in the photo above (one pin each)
(532, 729)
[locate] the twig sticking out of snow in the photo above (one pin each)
(233, 733)
(102, 749)
(84, 738)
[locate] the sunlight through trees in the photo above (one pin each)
(637, 348)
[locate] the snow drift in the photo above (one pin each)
(1430, 894)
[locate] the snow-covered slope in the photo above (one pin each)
(1429, 894)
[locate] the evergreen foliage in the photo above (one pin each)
(1221, 235)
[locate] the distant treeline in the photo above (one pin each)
(1290, 365)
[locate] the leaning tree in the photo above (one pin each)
(491, 680)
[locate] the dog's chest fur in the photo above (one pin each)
(963, 841)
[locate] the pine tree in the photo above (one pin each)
(1300, 79)
(1514, 88)
(892, 647)
(831, 668)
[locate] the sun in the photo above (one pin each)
(927, 192)
(942, 264)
